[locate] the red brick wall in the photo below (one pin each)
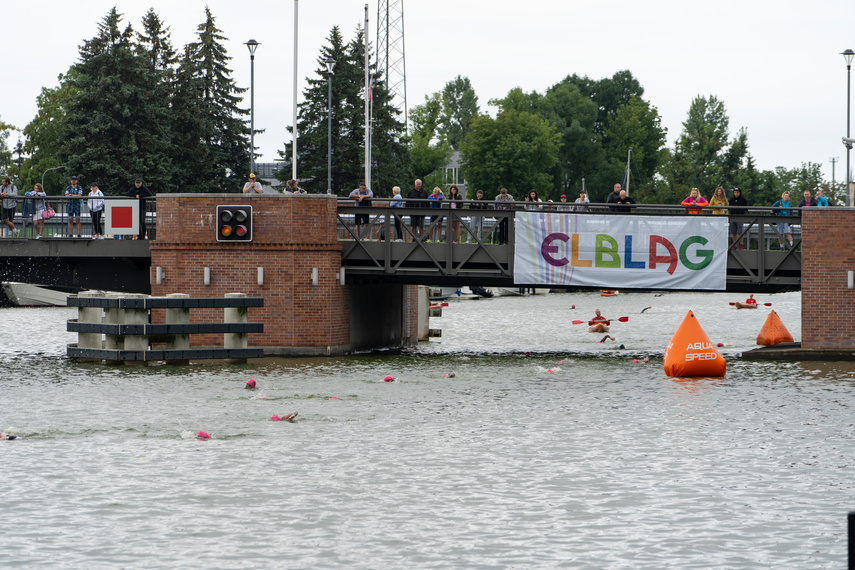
(291, 235)
(828, 253)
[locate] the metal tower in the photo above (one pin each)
(390, 51)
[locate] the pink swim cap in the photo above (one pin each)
(720, 344)
(275, 418)
(550, 371)
(251, 382)
(388, 379)
(202, 435)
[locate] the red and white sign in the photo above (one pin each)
(122, 217)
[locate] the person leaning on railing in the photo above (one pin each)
(503, 202)
(737, 207)
(694, 202)
(718, 199)
(477, 221)
(783, 227)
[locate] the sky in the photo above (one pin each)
(776, 65)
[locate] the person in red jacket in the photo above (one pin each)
(694, 202)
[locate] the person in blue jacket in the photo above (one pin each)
(783, 227)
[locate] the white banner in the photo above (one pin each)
(613, 251)
(122, 217)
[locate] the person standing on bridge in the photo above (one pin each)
(694, 202)
(73, 206)
(7, 193)
(253, 186)
(477, 221)
(363, 196)
(613, 197)
(140, 192)
(783, 228)
(503, 202)
(96, 210)
(736, 227)
(820, 199)
(38, 208)
(623, 201)
(415, 196)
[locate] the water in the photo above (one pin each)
(601, 464)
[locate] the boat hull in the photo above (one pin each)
(27, 295)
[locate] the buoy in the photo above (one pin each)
(773, 331)
(635, 361)
(388, 379)
(572, 306)
(690, 352)
(202, 435)
(550, 371)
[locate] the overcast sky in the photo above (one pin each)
(775, 64)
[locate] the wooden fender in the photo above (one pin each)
(691, 354)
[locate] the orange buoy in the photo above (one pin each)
(773, 331)
(690, 352)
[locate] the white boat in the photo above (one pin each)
(518, 291)
(27, 295)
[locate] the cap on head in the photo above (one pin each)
(252, 175)
(138, 180)
(251, 382)
(74, 178)
(564, 195)
(203, 435)
(94, 185)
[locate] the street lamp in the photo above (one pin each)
(48, 170)
(848, 55)
(330, 64)
(252, 45)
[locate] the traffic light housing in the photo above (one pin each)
(234, 223)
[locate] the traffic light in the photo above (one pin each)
(234, 223)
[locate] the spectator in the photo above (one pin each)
(533, 203)
(821, 200)
(503, 202)
(455, 201)
(73, 206)
(624, 202)
(563, 206)
(614, 197)
(363, 196)
(477, 221)
(96, 209)
(738, 204)
(7, 191)
(38, 209)
(783, 227)
(140, 192)
(415, 196)
(806, 201)
(436, 221)
(291, 187)
(397, 202)
(719, 199)
(252, 185)
(582, 202)
(694, 202)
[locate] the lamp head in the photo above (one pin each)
(330, 64)
(848, 55)
(252, 45)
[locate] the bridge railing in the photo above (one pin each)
(57, 226)
(476, 245)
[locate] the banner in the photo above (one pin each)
(612, 251)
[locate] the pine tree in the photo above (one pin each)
(220, 130)
(115, 130)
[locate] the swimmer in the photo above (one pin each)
(645, 308)
(286, 418)
(6, 437)
(604, 339)
(250, 384)
(203, 435)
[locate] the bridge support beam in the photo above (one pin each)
(828, 305)
(307, 311)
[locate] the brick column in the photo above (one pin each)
(291, 236)
(828, 253)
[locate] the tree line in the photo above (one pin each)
(134, 106)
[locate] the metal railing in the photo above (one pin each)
(57, 226)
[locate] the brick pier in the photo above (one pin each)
(292, 235)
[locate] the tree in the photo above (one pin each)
(221, 135)
(515, 150)
(114, 130)
(608, 93)
(390, 156)
(44, 133)
(429, 150)
(695, 162)
(5, 154)
(459, 107)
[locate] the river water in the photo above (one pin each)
(601, 463)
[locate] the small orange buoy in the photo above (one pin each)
(690, 352)
(773, 331)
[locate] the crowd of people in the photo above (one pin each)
(38, 209)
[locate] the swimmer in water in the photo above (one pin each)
(5, 437)
(286, 418)
(250, 384)
(645, 308)
(606, 337)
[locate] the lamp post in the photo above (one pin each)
(848, 55)
(330, 64)
(252, 45)
(48, 170)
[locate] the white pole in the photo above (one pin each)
(367, 119)
(294, 145)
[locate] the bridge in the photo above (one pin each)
(374, 256)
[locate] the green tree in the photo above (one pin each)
(221, 135)
(516, 150)
(429, 150)
(459, 107)
(609, 93)
(5, 153)
(114, 130)
(695, 162)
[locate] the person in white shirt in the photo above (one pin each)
(252, 185)
(96, 210)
